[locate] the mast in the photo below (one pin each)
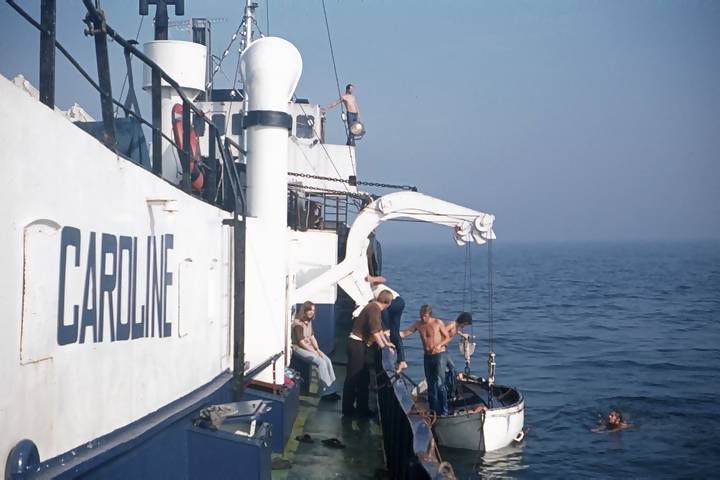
(248, 19)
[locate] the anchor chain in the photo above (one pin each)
(359, 195)
(353, 181)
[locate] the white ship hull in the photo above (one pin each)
(116, 286)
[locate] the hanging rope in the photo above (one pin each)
(491, 325)
(467, 285)
(332, 56)
(470, 284)
(491, 294)
(267, 16)
(122, 90)
(332, 52)
(465, 279)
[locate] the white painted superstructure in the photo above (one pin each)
(118, 287)
(74, 200)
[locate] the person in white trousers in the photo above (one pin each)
(305, 346)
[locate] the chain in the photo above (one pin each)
(360, 195)
(411, 188)
(353, 181)
(317, 177)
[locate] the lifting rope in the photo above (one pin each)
(491, 324)
(466, 346)
(332, 55)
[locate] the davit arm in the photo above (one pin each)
(469, 226)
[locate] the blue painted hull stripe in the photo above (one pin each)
(98, 451)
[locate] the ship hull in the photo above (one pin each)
(116, 288)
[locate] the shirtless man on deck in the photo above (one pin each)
(433, 335)
(353, 111)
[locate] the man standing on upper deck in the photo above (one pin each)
(433, 335)
(353, 111)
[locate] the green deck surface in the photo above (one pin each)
(361, 458)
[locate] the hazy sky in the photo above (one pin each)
(569, 120)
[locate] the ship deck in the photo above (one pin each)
(362, 457)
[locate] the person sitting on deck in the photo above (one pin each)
(615, 422)
(432, 334)
(305, 346)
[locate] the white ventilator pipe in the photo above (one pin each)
(270, 68)
(185, 62)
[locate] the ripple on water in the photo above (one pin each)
(581, 329)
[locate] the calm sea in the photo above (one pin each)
(580, 329)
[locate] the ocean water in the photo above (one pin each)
(580, 329)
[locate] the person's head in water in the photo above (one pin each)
(464, 319)
(425, 312)
(349, 88)
(615, 419)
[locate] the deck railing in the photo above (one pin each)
(316, 210)
(100, 30)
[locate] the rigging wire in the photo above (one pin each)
(332, 52)
(491, 294)
(337, 79)
(465, 279)
(267, 15)
(127, 74)
(469, 284)
(225, 53)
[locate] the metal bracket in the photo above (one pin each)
(93, 22)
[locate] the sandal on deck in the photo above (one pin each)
(280, 464)
(333, 443)
(304, 438)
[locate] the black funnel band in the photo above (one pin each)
(268, 118)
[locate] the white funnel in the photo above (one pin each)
(270, 68)
(185, 62)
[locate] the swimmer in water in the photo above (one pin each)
(615, 422)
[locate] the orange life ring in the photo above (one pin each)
(196, 175)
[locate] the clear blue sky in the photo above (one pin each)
(569, 120)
